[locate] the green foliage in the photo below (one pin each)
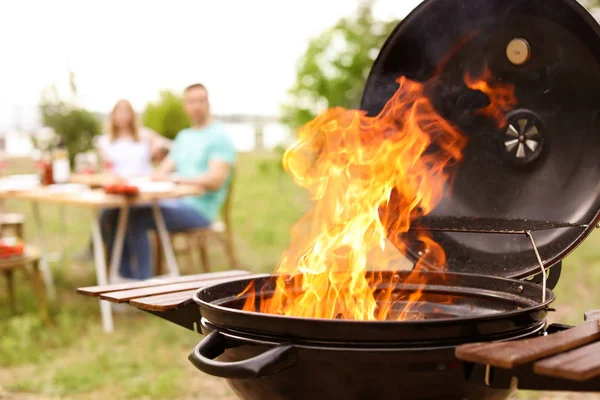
(272, 167)
(75, 125)
(166, 115)
(335, 66)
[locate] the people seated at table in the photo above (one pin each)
(202, 155)
(130, 149)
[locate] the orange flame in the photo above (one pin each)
(502, 96)
(368, 177)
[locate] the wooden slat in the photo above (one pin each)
(163, 302)
(514, 353)
(98, 290)
(578, 365)
(127, 295)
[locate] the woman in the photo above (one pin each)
(127, 148)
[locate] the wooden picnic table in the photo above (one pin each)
(95, 180)
(96, 200)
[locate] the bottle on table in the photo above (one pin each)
(45, 167)
(61, 167)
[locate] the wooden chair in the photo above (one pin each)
(198, 238)
(31, 258)
(14, 222)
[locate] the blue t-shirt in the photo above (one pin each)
(192, 152)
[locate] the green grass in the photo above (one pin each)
(146, 357)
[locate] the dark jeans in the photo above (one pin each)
(136, 261)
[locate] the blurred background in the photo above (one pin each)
(269, 67)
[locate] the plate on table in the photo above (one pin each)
(138, 180)
(15, 183)
(67, 188)
(155, 187)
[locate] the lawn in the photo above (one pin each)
(146, 357)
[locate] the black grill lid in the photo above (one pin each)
(555, 182)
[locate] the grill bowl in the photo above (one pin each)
(480, 308)
(278, 357)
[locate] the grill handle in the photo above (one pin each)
(268, 363)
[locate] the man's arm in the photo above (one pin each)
(167, 166)
(213, 179)
(164, 170)
(158, 143)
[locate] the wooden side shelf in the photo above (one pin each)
(167, 297)
(160, 294)
(572, 354)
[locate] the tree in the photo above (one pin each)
(75, 125)
(166, 115)
(335, 66)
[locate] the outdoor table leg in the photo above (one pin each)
(165, 241)
(117, 251)
(44, 265)
(100, 264)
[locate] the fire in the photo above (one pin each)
(368, 176)
(502, 97)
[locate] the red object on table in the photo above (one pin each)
(121, 188)
(44, 165)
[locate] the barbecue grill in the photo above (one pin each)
(525, 195)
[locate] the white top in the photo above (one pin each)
(129, 158)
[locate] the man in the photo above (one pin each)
(202, 155)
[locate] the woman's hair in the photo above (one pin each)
(113, 129)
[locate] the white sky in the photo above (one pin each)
(245, 51)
